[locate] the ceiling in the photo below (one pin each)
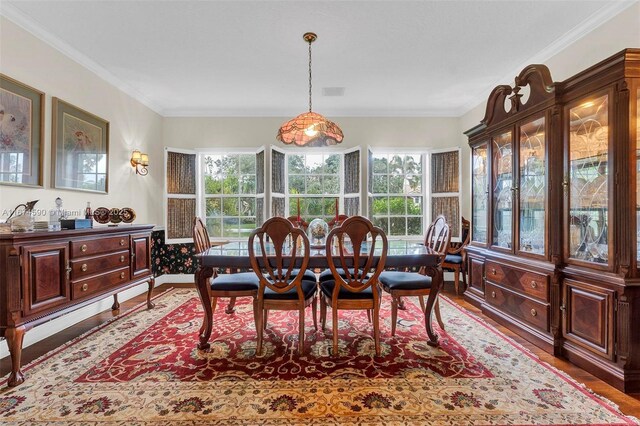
(247, 58)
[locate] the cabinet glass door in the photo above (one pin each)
(588, 180)
(480, 192)
(502, 190)
(532, 186)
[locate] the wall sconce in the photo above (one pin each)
(140, 161)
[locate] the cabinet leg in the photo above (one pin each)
(14, 337)
(150, 304)
(116, 304)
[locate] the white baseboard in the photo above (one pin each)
(56, 325)
(174, 278)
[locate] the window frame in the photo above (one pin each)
(331, 150)
(199, 195)
(426, 185)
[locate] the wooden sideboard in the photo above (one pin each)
(48, 274)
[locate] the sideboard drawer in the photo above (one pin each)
(96, 265)
(528, 310)
(530, 283)
(84, 288)
(81, 248)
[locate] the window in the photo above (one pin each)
(445, 188)
(230, 183)
(396, 193)
(315, 179)
(223, 187)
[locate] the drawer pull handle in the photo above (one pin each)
(121, 259)
(493, 271)
(83, 247)
(493, 294)
(121, 274)
(84, 267)
(121, 242)
(534, 313)
(85, 287)
(534, 284)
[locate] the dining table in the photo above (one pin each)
(401, 254)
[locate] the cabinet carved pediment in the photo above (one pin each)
(541, 88)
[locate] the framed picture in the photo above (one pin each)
(21, 133)
(80, 149)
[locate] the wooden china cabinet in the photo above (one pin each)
(555, 246)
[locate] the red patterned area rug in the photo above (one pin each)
(143, 368)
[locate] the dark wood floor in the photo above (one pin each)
(629, 404)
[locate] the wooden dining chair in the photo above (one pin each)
(400, 284)
(326, 274)
(358, 288)
(280, 288)
(224, 285)
(456, 259)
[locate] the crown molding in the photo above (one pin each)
(594, 21)
(328, 113)
(16, 16)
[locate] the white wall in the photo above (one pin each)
(31, 61)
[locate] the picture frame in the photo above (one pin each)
(79, 149)
(21, 133)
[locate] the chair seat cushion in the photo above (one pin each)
(326, 275)
(308, 274)
(308, 289)
(453, 258)
(404, 280)
(328, 286)
(230, 282)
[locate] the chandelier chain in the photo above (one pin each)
(310, 75)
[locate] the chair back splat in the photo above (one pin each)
(439, 237)
(359, 237)
(274, 265)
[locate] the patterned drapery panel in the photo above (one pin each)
(277, 172)
(444, 172)
(260, 173)
(352, 172)
(259, 210)
(181, 173)
(449, 207)
(352, 206)
(277, 206)
(180, 214)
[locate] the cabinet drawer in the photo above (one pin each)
(84, 288)
(83, 248)
(529, 283)
(530, 311)
(99, 264)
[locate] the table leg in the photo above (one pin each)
(436, 275)
(202, 275)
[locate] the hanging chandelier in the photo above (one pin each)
(310, 128)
